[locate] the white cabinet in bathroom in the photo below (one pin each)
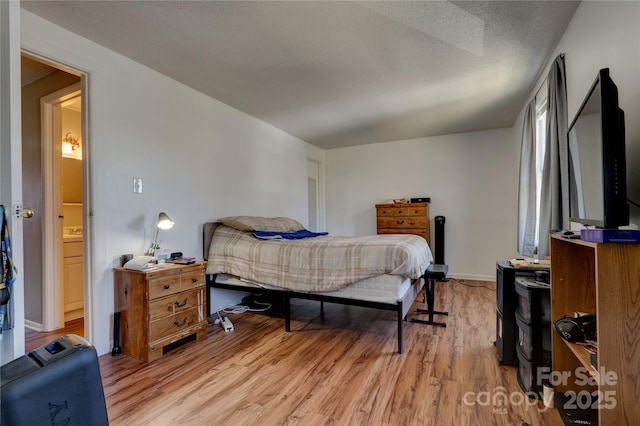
(73, 280)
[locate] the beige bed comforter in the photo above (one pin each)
(320, 264)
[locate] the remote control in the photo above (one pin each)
(226, 324)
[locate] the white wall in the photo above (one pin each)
(199, 159)
(606, 35)
(472, 180)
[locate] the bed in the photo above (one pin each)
(378, 271)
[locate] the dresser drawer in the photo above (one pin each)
(156, 348)
(172, 324)
(402, 211)
(175, 303)
(192, 279)
(410, 222)
(421, 232)
(164, 286)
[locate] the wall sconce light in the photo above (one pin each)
(164, 222)
(70, 145)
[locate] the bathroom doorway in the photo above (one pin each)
(54, 171)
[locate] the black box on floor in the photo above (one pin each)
(58, 383)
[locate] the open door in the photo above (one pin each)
(12, 340)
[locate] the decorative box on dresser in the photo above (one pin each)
(160, 308)
(604, 279)
(406, 218)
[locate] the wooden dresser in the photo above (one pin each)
(412, 218)
(160, 308)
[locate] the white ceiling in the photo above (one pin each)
(338, 73)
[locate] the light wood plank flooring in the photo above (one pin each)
(34, 339)
(340, 368)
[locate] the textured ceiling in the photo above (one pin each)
(338, 73)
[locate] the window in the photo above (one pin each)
(542, 185)
(540, 144)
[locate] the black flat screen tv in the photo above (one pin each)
(597, 159)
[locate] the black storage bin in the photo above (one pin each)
(506, 332)
(58, 383)
(534, 340)
(533, 300)
(531, 374)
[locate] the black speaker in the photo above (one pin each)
(56, 384)
(117, 350)
(439, 240)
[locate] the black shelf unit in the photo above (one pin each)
(506, 305)
(533, 319)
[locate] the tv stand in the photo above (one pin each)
(600, 278)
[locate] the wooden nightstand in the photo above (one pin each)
(160, 308)
(410, 218)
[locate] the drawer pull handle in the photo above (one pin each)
(399, 222)
(194, 280)
(180, 305)
(180, 324)
(167, 286)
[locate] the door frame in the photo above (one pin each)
(87, 211)
(318, 168)
(52, 242)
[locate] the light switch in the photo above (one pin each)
(137, 185)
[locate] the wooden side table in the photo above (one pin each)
(160, 308)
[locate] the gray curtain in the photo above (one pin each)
(554, 201)
(527, 184)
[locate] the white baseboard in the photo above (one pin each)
(473, 277)
(32, 325)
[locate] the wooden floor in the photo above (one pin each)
(339, 368)
(34, 339)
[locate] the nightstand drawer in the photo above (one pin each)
(156, 348)
(164, 286)
(173, 304)
(172, 324)
(192, 279)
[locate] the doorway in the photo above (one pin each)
(315, 198)
(54, 168)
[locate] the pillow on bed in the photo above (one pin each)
(262, 224)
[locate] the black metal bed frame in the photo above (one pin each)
(287, 295)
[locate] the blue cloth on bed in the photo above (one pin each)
(298, 235)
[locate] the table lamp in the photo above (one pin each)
(164, 222)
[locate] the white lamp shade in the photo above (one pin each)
(164, 221)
